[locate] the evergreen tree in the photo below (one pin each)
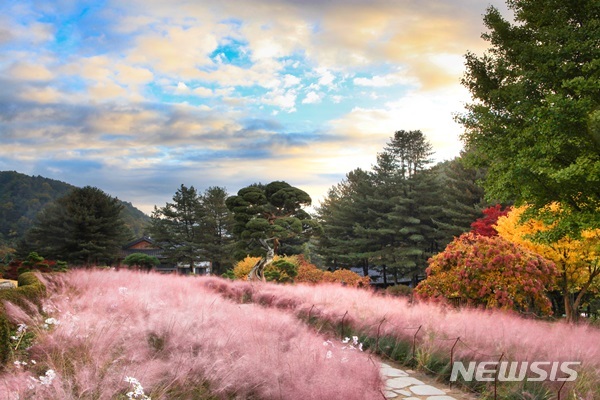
(405, 224)
(83, 227)
(462, 198)
(217, 229)
(271, 212)
(342, 215)
(177, 228)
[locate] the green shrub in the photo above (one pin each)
(30, 291)
(399, 291)
(4, 339)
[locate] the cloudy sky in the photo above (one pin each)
(137, 97)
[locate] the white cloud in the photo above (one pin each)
(379, 81)
(312, 98)
(182, 88)
(203, 92)
(291, 80)
(326, 78)
(286, 100)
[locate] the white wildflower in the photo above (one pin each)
(346, 340)
(138, 390)
(47, 379)
(355, 340)
(49, 322)
(123, 291)
(329, 354)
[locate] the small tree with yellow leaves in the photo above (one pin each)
(576, 258)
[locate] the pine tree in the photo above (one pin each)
(177, 228)
(83, 227)
(217, 229)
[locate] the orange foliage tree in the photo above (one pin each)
(577, 258)
(489, 272)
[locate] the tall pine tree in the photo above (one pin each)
(84, 227)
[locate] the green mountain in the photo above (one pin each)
(23, 196)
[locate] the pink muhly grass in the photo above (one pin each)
(171, 334)
(484, 334)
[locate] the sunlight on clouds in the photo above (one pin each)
(130, 75)
(29, 72)
(109, 90)
(40, 95)
(175, 50)
(99, 84)
(378, 81)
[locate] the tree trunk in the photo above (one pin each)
(257, 272)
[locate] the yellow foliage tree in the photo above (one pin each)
(577, 259)
(243, 267)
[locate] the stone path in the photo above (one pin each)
(403, 385)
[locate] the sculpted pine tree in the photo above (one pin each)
(267, 219)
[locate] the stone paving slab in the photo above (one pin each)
(400, 385)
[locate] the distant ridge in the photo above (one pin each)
(23, 196)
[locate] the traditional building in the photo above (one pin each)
(146, 245)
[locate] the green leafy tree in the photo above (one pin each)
(274, 212)
(535, 119)
(141, 260)
(177, 227)
(490, 272)
(83, 227)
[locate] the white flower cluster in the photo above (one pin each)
(50, 321)
(21, 330)
(138, 390)
(354, 346)
(46, 379)
(123, 291)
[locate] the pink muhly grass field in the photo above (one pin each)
(177, 339)
(484, 334)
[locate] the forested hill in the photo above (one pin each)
(23, 196)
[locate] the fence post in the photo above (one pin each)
(496, 378)
(559, 390)
(414, 343)
(346, 313)
(452, 355)
(378, 333)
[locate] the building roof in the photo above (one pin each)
(137, 241)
